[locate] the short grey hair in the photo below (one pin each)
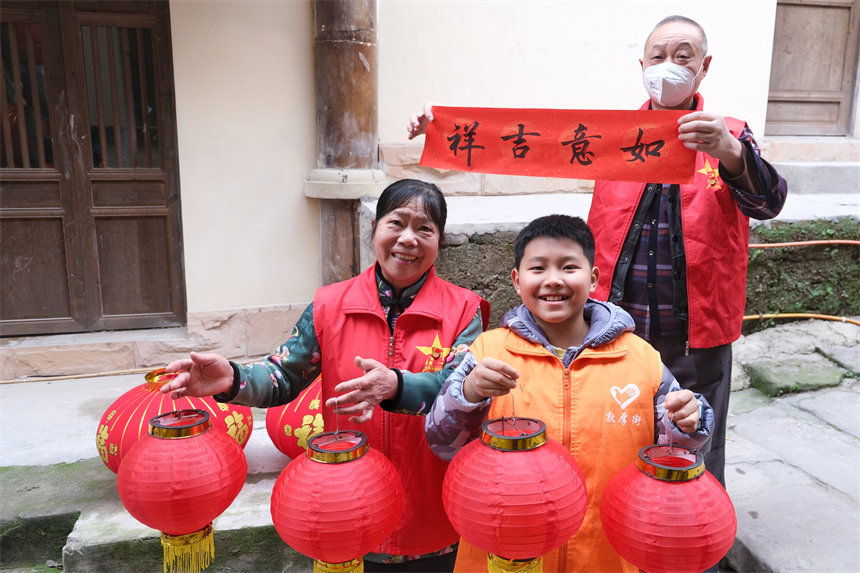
(685, 20)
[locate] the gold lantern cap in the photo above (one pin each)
(671, 463)
(337, 447)
(514, 434)
(155, 379)
(180, 424)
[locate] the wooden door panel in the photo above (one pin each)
(806, 62)
(124, 193)
(21, 194)
(135, 245)
(35, 284)
(40, 271)
(133, 253)
(823, 115)
(813, 68)
(89, 199)
(131, 179)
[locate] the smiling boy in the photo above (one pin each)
(574, 363)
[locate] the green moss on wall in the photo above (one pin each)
(818, 279)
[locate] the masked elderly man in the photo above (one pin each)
(675, 256)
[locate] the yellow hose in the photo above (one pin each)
(801, 315)
(804, 243)
(76, 376)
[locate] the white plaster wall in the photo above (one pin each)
(559, 54)
(246, 117)
(247, 141)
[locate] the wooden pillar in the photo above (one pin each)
(345, 66)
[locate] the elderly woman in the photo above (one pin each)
(384, 341)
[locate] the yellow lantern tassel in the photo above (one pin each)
(354, 566)
(496, 564)
(190, 553)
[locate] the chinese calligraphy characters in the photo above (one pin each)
(650, 149)
(468, 138)
(615, 145)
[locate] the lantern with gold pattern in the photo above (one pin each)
(291, 426)
(127, 419)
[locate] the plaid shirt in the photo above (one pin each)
(650, 280)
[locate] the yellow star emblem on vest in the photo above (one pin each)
(713, 174)
(436, 355)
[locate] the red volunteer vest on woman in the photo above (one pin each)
(716, 239)
(349, 322)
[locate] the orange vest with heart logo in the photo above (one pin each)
(601, 409)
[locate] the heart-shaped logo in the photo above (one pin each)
(624, 396)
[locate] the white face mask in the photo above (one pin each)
(668, 83)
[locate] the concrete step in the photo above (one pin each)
(813, 165)
(72, 514)
(811, 177)
(105, 538)
(792, 477)
(787, 149)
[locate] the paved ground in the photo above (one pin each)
(793, 470)
(793, 462)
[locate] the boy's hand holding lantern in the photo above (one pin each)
(489, 379)
(684, 409)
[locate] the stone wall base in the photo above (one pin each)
(239, 334)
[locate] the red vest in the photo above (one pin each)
(716, 239)
(349, 322)
(601, 408)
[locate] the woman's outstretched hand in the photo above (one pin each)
(199, 375)
(357, 397)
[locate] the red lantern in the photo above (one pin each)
(291, 425)
(127, 419)
(338, 501)
(178, 478)
(515, 493)
(666, 514)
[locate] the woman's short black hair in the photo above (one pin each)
(402, 192)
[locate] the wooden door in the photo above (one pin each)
(90, 232)
(814, 67)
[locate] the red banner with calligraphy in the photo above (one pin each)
(640, 145)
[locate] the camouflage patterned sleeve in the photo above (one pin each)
(453, 421)
(284, 374)
(667, 432)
